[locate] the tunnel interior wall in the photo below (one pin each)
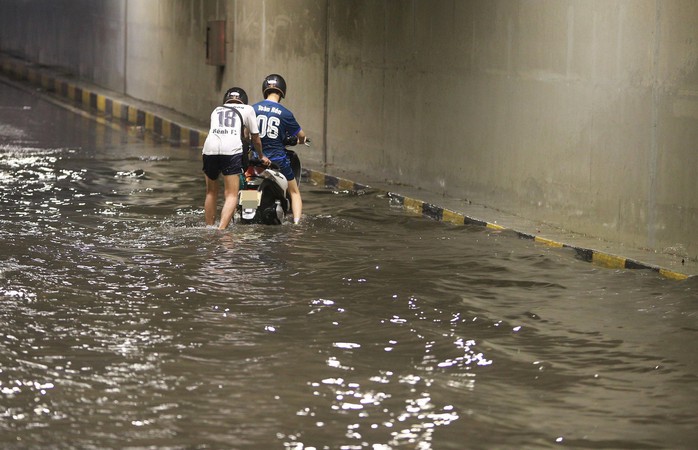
(582, 114)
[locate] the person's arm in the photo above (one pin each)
(251, 128)
(257, 143)
(301, 137)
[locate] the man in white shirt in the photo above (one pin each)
(231, 124)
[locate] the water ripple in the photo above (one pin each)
(126, 322)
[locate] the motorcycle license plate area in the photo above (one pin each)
(249, 199)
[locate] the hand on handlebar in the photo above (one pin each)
(290, 141)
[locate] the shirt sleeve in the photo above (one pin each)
(292, 127)
(251, 120)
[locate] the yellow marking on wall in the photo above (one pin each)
(413, 205)
(166, 128)
(101, 103)
(494, 226)
(71, 92)
(149, 121)
(609, 261)
(453, 217)
(132, 115)
(86, 97)
(46, 82)
(345, 184)
(548, 242)
(317, 177)
(116, 109)
(672, 275)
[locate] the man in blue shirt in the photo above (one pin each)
(276, 123)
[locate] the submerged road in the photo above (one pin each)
(110, 108)
(126, 322)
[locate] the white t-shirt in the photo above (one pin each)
(224, 136)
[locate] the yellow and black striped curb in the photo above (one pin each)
(114, 109)
(111, 108)
(333, 182)
(585, 254)
(118, 110)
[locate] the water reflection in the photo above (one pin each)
(125, 322)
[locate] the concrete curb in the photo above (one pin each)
(111, 106)
(585, 254)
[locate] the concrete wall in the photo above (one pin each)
(85, 37)
(166, 62)
(580, 113)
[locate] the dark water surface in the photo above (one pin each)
(125, 322)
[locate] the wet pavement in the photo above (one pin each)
(107, 106)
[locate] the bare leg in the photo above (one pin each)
(296, 200)
(232, 186)
(211, 201)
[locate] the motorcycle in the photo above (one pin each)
(263, 196)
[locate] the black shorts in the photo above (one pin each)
(227, 164)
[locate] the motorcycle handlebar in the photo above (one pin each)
(290, 141)
(260, 163)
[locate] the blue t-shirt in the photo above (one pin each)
(275, 122)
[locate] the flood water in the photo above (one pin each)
(125, 322)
